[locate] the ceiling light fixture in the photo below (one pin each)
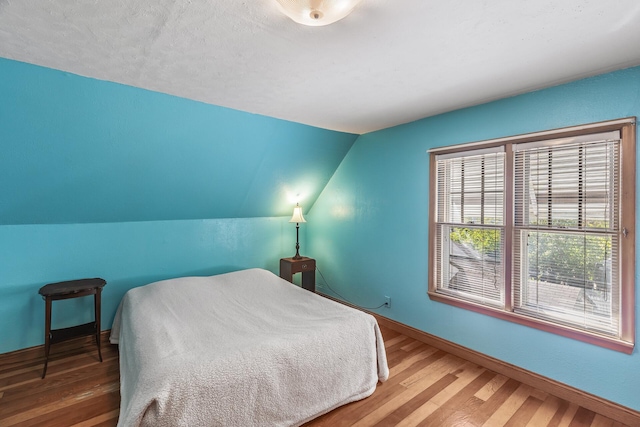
(317, 12)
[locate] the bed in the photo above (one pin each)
(240, 349)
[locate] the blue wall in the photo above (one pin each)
(126, 254)
(369, 231)
(80, 150)
(101, 179)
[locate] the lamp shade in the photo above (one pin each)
(317, 12)
(297, 215)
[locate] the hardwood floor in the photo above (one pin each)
(78, 389)
(427, 387)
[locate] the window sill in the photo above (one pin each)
(565, 331)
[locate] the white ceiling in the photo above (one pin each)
(389, 62)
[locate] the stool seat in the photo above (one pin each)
(65, 290)
(71, 287)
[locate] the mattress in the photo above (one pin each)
(241, 349)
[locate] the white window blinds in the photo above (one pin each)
(566, 227)
(470, 232)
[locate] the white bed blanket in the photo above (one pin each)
(240, 349)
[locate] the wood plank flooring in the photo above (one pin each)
(427, 387)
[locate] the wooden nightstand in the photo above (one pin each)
(66, 290)
(304, 265)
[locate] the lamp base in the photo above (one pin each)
(297, 255)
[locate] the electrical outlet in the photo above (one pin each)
(387, 301)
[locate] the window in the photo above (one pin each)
(538, 229)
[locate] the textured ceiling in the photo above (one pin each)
(389, 62)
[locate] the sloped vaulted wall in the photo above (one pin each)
(101, 179)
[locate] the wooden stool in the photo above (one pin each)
(66, 290)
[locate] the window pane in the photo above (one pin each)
(570, 187)
(472, 264)
(566, 252)
(568, 279)
(471, 189)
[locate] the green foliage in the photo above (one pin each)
(483, 240)
(558, 257)
(568, 258)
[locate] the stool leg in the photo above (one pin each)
(96, 301)
(47, 334)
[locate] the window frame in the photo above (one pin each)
(627, 194)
